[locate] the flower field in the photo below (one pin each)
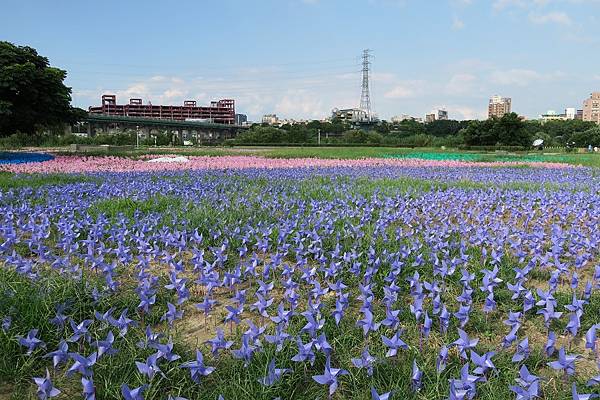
(245, 277)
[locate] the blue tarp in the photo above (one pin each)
(21, 158)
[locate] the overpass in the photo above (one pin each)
(185, 130)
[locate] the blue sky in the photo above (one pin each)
(301, 58)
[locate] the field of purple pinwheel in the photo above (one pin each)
(374, 282)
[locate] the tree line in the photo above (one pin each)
(510, 130)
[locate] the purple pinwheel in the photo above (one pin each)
(171, 314)
(321, 344)
(81, 364)
(31, 341)
(60, 355)
(246, 351)
(233, 315)
(549, 313)
(367, 322)
(464, 388)
(165, 351)
(528, 385)
(590, 338)
(89, 390)
(273, 374)
(463, 314)
(283, 316)
(254, 333)
(59, 319)
(391, 318)
(483, 363)
(522, 352)
(105, 346)
(219, 342)
(305, 352)
(441, 360)
(444, 320)
(416, 377)
(45, 389)
(365, 361)
(464, 343)
(330, 376)
(122, 323)
(574, 324)
(312, 324)
(566, 362)
(549, 347)
(150, 367)
(579, 396)
(377, 396)
(150, 340)
(394, 343)
(105, 317)
(279, 338)
(132, 394)
(197, 367)
(6, 323)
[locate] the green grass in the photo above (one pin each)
(14, 181)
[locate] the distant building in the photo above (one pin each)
(591, 108)
(404, 117)
(552, 115)
(579, 115)
(241, 119)
(436, 115)
(351, 115)
(498, 106)
(270, 119)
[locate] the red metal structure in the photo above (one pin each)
(220, 112)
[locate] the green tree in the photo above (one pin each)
(586, 138)
(480, 133)
(510, 131)
(32, 94)
(363, 137)
(442, 128)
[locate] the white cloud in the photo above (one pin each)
(522, 77)
(300, 102)
(556, 17)
(499, 5)
(515, 76)
(465, 112)
(405, 89)
(457, 23)
(461, 83)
